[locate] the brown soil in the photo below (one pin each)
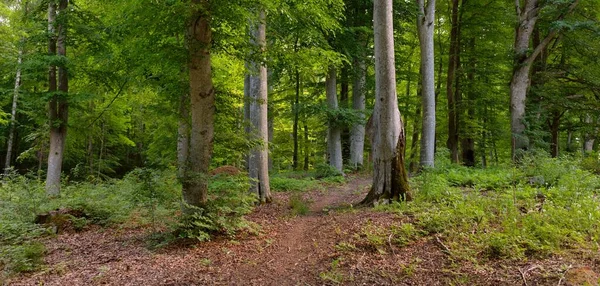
(328, 246)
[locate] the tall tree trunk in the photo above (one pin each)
(589, 137)
(183, 135)
(425, 27)
(451, 89)
(345, 129)
(202, 95)
(13, 112)
(554, 130)
(521, 80)
(306, 146)
(259, 156)
(334, 143)
(357, 132)
(468, 141)
(58, 106)
(390, 180)
(296, 111)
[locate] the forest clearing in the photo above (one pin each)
(299, 142)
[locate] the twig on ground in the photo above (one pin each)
(390, 242)
(444, 248)
(564, 274)
(524, 273)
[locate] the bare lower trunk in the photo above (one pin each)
(296, 111)
(183, 135)
(425, 25)
(202, 95)
(58, 106)
(306, 146)
(357, 133)
(554, 130)
(13, 113)
(389, 175)
(259, 156)
(589, 138)
(452, 89)
(334, 132)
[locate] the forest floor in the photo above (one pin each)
(329, 245)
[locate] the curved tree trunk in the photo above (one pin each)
(202, 93)
(334, 132)
(521, 79)
(425, 25)
(258, 90)
(58, 106)
(390, 180)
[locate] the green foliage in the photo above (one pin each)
(334, 274)
(155, 193)
(324, 170)
(298, 205)
(224, 212)
(591, 163)
(281, 183)
(512, 219)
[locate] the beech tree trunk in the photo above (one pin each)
(202, 93)
(452, 89)
(183, 135)
(390, 180)
(58, 105)
(258, 90)
(425, 27)
(357, 132)
(13, 112)
(334, 132)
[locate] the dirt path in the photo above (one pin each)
(328, 246)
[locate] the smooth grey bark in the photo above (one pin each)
(357, 132)
(58, 105)
(334, 132)
(527, 16)
(13, 112)
(183, 135)
(390, 180)
(258, 93)
(425, 27)
(202, 93)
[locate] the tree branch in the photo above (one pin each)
(544, 43)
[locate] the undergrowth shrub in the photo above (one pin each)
(499, 213)
(298, 205)
(324, 170)
(223, 214)
(284, 184)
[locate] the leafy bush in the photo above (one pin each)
(224, 212)
(298, 205)
(324, 170)
(510, 217)
(591, 163)
(284, 184)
